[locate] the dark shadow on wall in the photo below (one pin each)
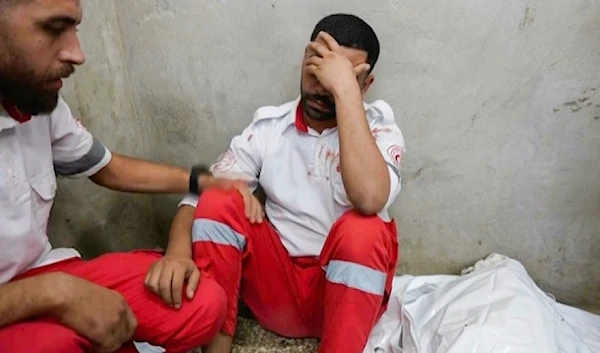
(96, 221)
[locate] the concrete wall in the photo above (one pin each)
(93, 219)
(499, 102)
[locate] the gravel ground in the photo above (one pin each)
(251, 338)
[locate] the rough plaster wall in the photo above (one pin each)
(498, 102)
(85, 216)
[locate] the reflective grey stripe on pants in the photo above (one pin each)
(356, 276)
(218, 233)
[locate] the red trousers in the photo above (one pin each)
(178, 331)
(337, 297)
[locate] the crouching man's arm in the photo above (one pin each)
(77, 153)
(166, 277)
(97, 313)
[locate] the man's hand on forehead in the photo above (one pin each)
(332, 46)
(331, 66)
(331, 43)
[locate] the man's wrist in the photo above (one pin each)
(200, 175)
(347, 91)
(53, 286)
(205, 180)
(179, 249)
(179, 253)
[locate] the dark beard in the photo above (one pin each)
(27, 99)
(320, 115)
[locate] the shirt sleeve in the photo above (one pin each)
(242, 160)
(390, 141)
(75, 151)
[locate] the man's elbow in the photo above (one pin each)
(104, 177)
(112, 174)
(370, 203)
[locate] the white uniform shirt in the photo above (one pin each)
(31, 154)
(299, 170)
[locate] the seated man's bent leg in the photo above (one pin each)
(359, 258)
(177, 330)
(219, 239)
(223, 237)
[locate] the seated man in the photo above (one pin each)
(329, 165)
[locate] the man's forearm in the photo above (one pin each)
(27, 298)
(140, 176)
(180, 234)
(364, 171)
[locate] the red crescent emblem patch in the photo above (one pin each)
(395, 154)
(225, 162)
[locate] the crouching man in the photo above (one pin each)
(323, 262)
(51, 300)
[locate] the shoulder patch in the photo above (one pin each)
(225, 162)
(273, 112)
(395, 153)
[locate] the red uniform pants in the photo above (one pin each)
(178, 331)
(337, 297)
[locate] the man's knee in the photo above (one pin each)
(216, 307)
(201, 319)
(356, 236)
(213, 203)
(220, 219)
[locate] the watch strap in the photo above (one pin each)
(195, 173)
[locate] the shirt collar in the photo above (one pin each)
(295, 116)
(10, 115)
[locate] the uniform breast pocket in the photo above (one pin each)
(44, 189)
(13, 182)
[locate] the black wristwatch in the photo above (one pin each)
(195, 173)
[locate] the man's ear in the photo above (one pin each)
(366, 84)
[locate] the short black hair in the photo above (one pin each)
(352, 32)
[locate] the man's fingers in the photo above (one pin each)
(314, 60)
(127, 327)
(361, 69)
(239, 184)
(312, 69)
(131, 323)
(177, 286)
(319, 48)
(97, 348)
(164, 285)
(258, 216)
(246, 197)
(255, 210)
(153, 279)
(331, 42)
(148, 276)
(253, 218)
(193, 281)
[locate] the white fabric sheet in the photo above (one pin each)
(494, 307)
